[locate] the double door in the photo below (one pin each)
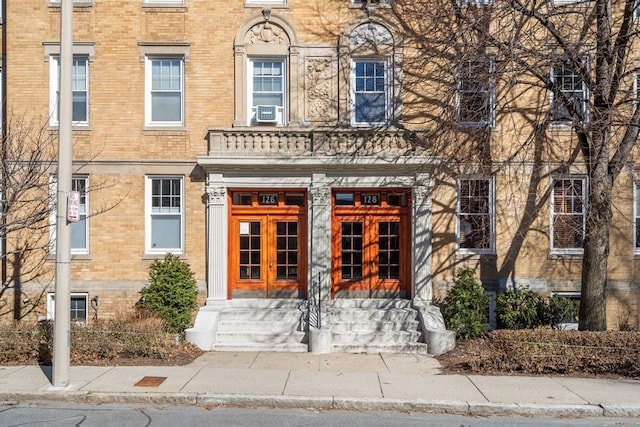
(370, 252)
(268, 253)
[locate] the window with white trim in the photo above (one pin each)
(79, 229)
(164, 91)
(370, 92)
(78, 307)
(267, 91)
(165, 214)
(475, 225)
(80, 88)
(476, 93)
(573, 91)
(636, 216)
(568, 198)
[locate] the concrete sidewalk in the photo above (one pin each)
(328, 381)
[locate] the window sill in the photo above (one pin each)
(469, 254)
(176, 129)
(76, 4)
(263, 4)
(371, 4)
(159, 256)
(74, 256)
(569, 256)
(74, 128)
(181, 6)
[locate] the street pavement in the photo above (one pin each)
(381, 381)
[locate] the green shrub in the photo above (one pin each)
(563, 310)
(521, 309)
(172, 292)
(466, 306)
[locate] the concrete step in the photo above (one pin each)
(375, 326)
(272, 303)
(411, 348)
(372, 303)
(232, 325)
(261, 314)
(361, 315)
(284, 347)
(390, 338)
(253, 337)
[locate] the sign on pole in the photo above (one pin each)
(73, 206)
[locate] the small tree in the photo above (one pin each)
(466, 306)
(171, 293)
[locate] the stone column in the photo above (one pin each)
(217, 241)
(421, 242)
(320, 240)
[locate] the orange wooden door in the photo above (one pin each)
(267, 257)
(370, 256)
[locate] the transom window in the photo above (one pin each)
(475, 93)
(165, 217)
(80, 88)
(568, 213)
(165, 91)
(475, 215)
(572, 92)
(370, 92)
(267, 91)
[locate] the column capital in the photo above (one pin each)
(216, 194)
(320, 196)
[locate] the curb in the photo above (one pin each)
(328, 403)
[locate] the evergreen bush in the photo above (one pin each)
(172, 292)
(466, 306)
(521, 309)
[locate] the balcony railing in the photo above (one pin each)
(281, 142)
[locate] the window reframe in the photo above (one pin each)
(388, 91)
(554, 107)
(149, 215)
(84, 222)
(54, 89)
(282, 111)
(51, 304)
(489, 90)
(573, 250)
(490, 215)
(149, 91)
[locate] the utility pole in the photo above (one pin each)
(62, 321)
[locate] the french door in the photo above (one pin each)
(370, 251)
(268, 253)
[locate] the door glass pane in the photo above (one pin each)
(389, 250)
(286, 250)
(351, 250)
(250, 250)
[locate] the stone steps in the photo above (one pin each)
(375, 326)
(261, 325)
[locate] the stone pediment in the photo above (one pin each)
(267, 33)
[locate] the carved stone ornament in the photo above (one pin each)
(216, 195)
(318, 87)
(267, 32)
(320, 196)
(370, 34)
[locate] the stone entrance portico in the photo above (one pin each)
(317, 162)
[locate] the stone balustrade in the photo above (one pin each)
(288, 142)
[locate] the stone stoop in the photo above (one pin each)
(375, 326)
(261, 325)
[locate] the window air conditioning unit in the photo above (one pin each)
(266, 113)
